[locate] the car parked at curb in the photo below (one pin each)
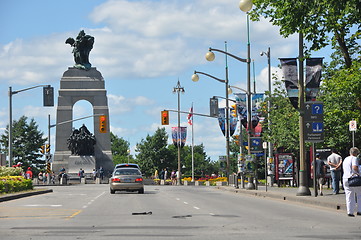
(127, 179)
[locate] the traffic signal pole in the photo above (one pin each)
(10, 134)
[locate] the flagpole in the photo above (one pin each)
(192, 147)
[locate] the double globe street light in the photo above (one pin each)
(195, 78)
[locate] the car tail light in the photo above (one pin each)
(115, 180)
(139, 180)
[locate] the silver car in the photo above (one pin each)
(126, 179)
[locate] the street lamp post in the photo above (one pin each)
(195, 78)
(303, 189)
(270, 147)
(178, 89)
(250, 184)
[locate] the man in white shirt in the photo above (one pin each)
(350, 167)
(335, 162)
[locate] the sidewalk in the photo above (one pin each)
(328, 200)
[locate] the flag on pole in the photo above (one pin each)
(190, 116)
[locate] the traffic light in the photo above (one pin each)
(236, 139)
(165, 117)
(42, 149)
(103, 124)
(234, 110)
(48, 96)
(47, 148)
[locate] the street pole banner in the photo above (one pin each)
(313, 77)
(290, 73)
(179, 136)
(257, 99)
(222, 121)
(241, 101)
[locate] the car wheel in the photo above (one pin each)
(112, 191)
(141, 191)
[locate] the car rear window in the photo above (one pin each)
(128, 171)
(126, 165)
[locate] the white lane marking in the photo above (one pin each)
(91, 201)
(212, 214)
(196, 207)
(177, 199)
(42, 205)
(185, 202)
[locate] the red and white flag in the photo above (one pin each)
(190, 116)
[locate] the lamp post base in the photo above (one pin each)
(303, 191)
(250, 184)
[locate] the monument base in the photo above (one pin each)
(87, 163)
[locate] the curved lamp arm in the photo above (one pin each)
(229, 54)
(195, 78)
(230, 87)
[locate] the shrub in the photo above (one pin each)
(15, 184)
(10, 171)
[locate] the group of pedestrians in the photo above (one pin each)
(349, 167)
(173, 176)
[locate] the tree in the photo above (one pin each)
(202, 163)
(284, 118)
(322, 22)
(27, 141)
(341, 93)
(153, 153)
(119, 148)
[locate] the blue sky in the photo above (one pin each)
(141, 48)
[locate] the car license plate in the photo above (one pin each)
(127, 180)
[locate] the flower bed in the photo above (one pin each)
(212, 181)
(14, 184)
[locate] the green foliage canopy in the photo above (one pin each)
(322, 22)
(27, 140)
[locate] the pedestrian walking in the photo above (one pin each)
(165, 174)
(29, 173)
(94, 174)
(320, 172)
(173, 176)
(351, 167)
(81, 174)
(53, 177)
(40, 177)
(335, 163)
(101, 172)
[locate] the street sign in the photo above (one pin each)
(313, 111)
(313, 121)
(256, 144)
(353, 126)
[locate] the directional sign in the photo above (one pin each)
(256, 144)
(313, 111)
(313, 121)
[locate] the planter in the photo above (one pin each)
(221, 183)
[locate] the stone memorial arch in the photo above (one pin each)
(82, 82)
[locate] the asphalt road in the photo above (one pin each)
(167, 212)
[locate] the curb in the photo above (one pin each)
(13, 196)
(287, 197)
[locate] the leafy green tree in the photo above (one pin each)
(284, 121)
(202, 164)
(153, 152)
(322, 22)
(119, 148)
(341, 94)
(27, 140)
